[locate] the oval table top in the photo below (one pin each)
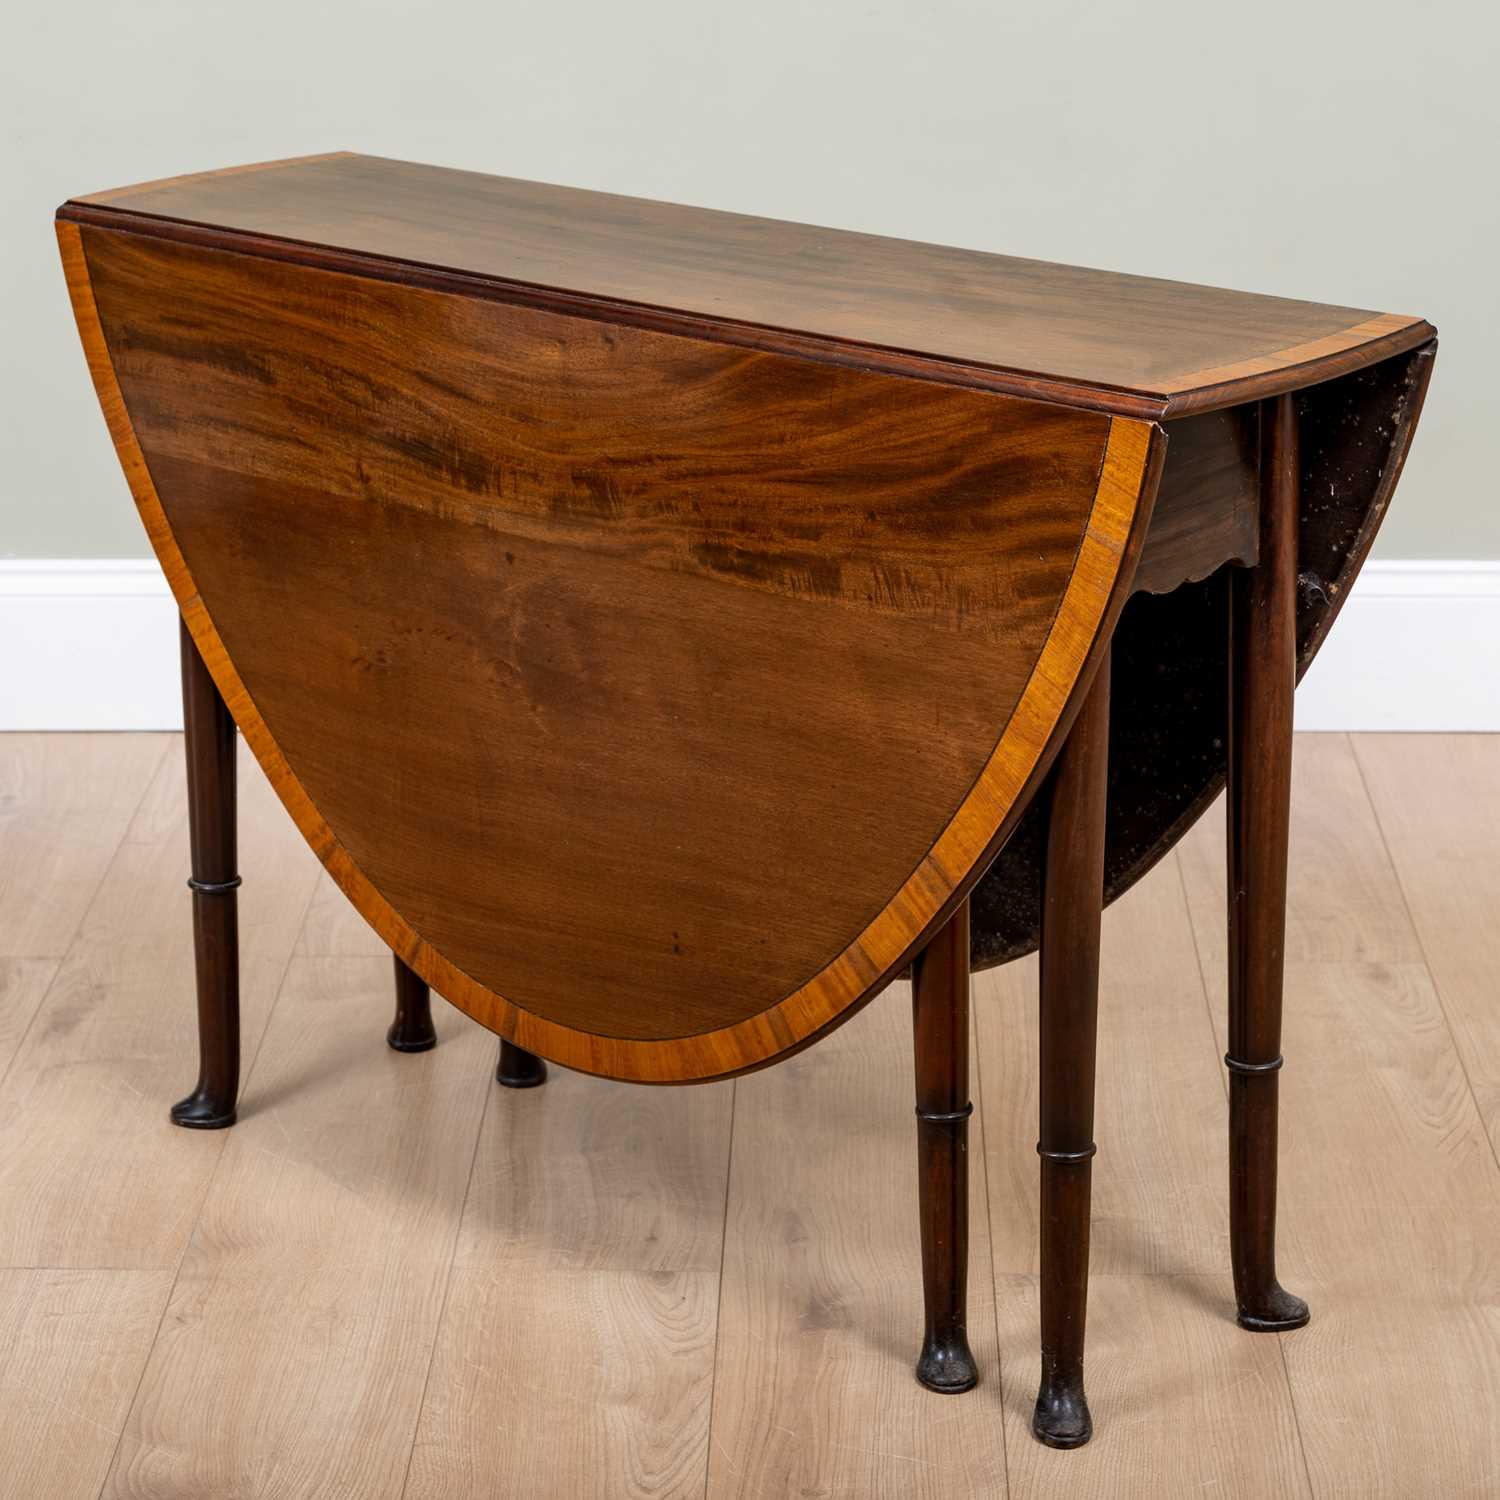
(658, 621)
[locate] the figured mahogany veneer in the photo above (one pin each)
(1129, 344)
(657, 620)
(652, 754)
(666, 626)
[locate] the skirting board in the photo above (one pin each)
(93, 645)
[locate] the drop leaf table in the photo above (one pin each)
(668, 627)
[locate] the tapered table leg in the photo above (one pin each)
(518, 1068)
(940, 1016)
(1072, 902)
(1262, 675)
(412, 1029)
(209, 740)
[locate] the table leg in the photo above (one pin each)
(1262, 675)
(519, 1069)
(412, 1030)
(1072, 902)
(209, 741)
(940, 1018)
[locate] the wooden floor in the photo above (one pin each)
(394, 1278)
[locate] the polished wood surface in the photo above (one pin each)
(1207, 510)
(940, 1034)
(1132, 344)
(1171, 662)
(660, 679)
(1072, 876)
(411, 1028)
(517, 1068)
(307, 448)
(595, 1216)
(212, 747)
(1358, 418)
(1262, 679)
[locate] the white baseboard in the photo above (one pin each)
(88, 644)
(1417, 647)
(93, 645)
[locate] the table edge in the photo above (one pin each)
(1368, 342)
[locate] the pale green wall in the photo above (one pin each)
(1337, 151)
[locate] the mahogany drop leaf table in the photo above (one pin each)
(668, 627)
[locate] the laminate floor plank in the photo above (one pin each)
(334, 926)
(1166, 1364)
(1344, 903)
(65, 803)
(295, 1347)
(92, 1173)
(1390, 1214)
(72, 1347)
(585, 1290)
(1390, 1194)
(821, 1312)
(1159, 1203)
(24, 983)
(1437, 800)
(398, 1279)
(1185, 1403)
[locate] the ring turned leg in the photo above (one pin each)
(940, 1016)
(519, 1069)
(1262, 675)
(209, 740)
(412, 1030)
(1072, 900)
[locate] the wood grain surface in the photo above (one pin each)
(91, 1173)
(586, 1279)
(63, 822)
(1128, 343)
(1390, 1188)
(1444, 831)
(813, 1390)
(1208, 505)
(1159, 1206)
(653, 755)
(1168, 729)
(72, 1345)
(309, 1297)
(598, 1224)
